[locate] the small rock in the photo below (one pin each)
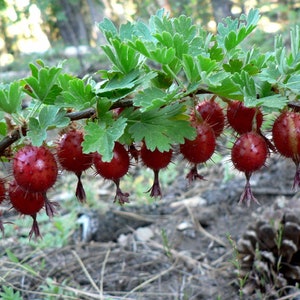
(184, 225)
(143, 234)
(122, 240)
(191, 202)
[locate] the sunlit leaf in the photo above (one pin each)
(101, 138)
(11, 97)
(162, 128)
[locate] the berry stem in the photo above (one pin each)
(121, 197)
(50, 206)
(193, 174)
(35, 230)
(80, 192)
(155, 190)
(247, 195)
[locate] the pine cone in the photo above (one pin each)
(269, 256)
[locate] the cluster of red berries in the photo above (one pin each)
(35, 169)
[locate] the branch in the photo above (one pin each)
(73, 116)
(16, 134)
(9, 139)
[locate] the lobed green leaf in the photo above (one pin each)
(11, 97)
(76, 94)
(49, 117)
(124, 57)
(99, 137)
(162, 127)
(43, 84)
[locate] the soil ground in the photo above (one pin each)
(177, 248)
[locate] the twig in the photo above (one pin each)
(102, 273)
(86, 271)
(221, 258)
(9, 139)
(290, 296)
(199, 228)
(133, 216)
(189, 261)
(78, 115)
(67, 288)
(16, 134)
(150, 280)
(73, 116)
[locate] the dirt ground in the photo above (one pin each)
(177, 248)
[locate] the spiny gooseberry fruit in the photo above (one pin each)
(71, 158)
(155, 160)
(242, 118)
(199, 150)
(115, 169)
(286, 138)
(211, 112)
(2, 198)
(2, 191)
(35, 168)
(26, 203)
(249, 154)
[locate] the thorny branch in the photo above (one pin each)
(16, 134)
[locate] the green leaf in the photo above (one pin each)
(227, 88)
(190, 68)
(108, 28)
(184, 26)
(233, 32)
(142, 46)
(118, 81)
(165, 38)
(3, 128)
(293, 83)
(119, 85)
(43, 84)
(231, 41)
(100, 137)
(52, 116)
(149, 98)
(246, 84)
(206, 64)
(49, 116)
(162, 80)
(126, 31)
(162, 128)
(124, 57)
(198, 68)
(142, 31)
(234, 65)
(274, 101)
(9, 293)
(181, 45)
(103, 107)
(11, 98)
(153, 98)
(64, 79)
(216, 53)
(295, 42)
(161, 22)
(163, 55)
(36, 133)
(11, 256)
(77, 95)
(270, 74)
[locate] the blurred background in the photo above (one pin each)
(67, 29)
